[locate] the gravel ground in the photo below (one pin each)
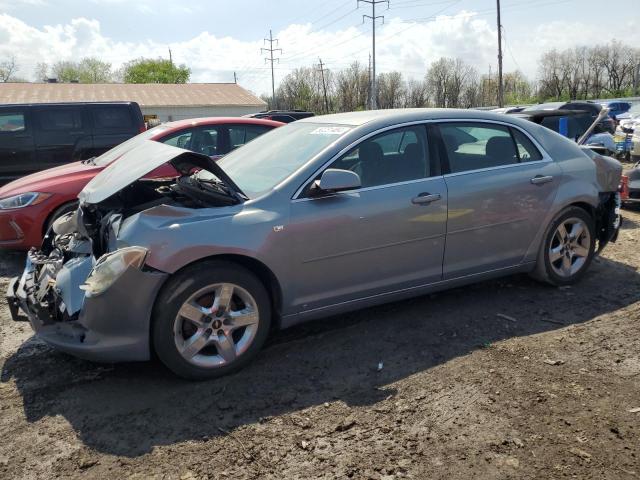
(503, 379)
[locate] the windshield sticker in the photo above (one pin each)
(329, 131)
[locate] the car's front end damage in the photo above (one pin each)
(90, 294)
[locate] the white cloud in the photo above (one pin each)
(403, 46)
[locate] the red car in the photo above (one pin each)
(29, 205)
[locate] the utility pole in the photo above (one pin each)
(270, 59)
(235, 78)
(500, 91)
(324, 86)
(170, 57)
(373, 18)
(370, 85)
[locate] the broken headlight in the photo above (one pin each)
(110, 267)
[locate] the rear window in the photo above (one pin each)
(11, 122)
(53, 119)
(112, 118)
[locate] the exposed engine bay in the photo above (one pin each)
(77, 240)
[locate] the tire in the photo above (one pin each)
(575, 256)
(210, 320)
(57, 213)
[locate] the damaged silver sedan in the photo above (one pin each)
(319, 217)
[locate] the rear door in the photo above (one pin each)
(112, 125)
(62, 134)
(17, 153)
(500, 188)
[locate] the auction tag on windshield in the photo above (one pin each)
(329, 131)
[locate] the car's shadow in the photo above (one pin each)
(128, 409)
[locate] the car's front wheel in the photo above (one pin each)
(567, 248)
(210, 320)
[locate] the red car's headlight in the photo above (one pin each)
(23, 200)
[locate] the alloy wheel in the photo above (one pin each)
(216, 325)
(570, 247)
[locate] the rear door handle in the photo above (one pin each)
(426, 198)
(540, 179)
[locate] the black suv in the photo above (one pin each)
(284, 116)
(39, 136)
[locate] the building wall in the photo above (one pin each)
(168, 114)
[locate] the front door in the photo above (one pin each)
(500, 189)
(385, 236)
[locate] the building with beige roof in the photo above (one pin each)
(160, 102)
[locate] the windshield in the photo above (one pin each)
(261, 164)
(116, 152)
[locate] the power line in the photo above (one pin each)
(373, 19)
(270, 59)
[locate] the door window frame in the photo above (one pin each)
(546, 158)
(435, 161)
(440, 153)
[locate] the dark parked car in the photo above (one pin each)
(284, 116)
(35, 137)
(593, 109)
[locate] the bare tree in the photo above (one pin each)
(352, 88)
(390, 90)
(415, 94)
(7, 69)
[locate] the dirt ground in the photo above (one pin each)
(503, 379)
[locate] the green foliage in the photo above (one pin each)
(148, 70)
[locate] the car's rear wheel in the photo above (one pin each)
(210, 320)
(567, 248)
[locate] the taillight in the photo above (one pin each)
(624, 187)
(143, 128)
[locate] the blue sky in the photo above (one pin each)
(217, 37)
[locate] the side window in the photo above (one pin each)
(181, 139)
(241, 134)
(471, 146)
(527, 151)
(56, 119)
(207, 141)
(112, 118)
(11, 122)
(391, 157)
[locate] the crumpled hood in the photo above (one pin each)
(141, 160)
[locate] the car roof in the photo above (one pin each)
(198, 122)
(65, 104)
(402, 115)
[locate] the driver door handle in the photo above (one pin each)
(426, 198)
(540, 179)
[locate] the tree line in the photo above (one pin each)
(603, 71)
(94, 70)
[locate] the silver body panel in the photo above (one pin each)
(366, 246)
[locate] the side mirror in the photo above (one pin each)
(336, 180)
